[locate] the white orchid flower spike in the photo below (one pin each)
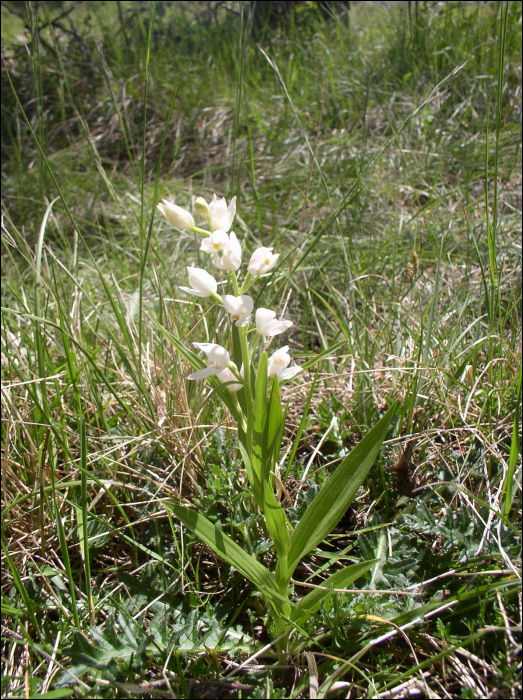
(278, 365)
(222, 215)
(267, 324)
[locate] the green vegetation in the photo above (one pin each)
(379, 153)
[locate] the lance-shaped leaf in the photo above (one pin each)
(274, 426)
(238, 360)
(227, 549)
(267, 419)
(274, 513)
(341, 579)
(260, 411)
(325, 511)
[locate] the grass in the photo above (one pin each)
(380, 155)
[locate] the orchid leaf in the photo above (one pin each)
(267, 423)
(260, 410)
(254, 479)
(274, 428)
(311, 602)
(332, 501)
(227, 549)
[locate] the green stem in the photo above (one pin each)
(247, 387)
(234, 281)
(201, 232)
(246, 283)
(241, 417)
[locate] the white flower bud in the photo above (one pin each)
(202, 207)
(175, 215)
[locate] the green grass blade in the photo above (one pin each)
(514, 451)
(21, 588)
(84, 534)
(301, 427)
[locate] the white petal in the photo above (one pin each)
(203, 373)
(195, 292)
(288, 373)
(227, 376)
(222, 215)
(206, 347)
(277, 327)
(202, 281)
(216, 354)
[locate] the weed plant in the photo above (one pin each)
(380, 152)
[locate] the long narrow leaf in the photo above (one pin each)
(274, 513)
(336, 495)
(311, 602)
(274, 426)
(258, 443)
(227, 549)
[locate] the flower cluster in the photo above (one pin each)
(223, 245)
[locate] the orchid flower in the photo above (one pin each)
(217, 360)
(262, 260)
(278, 365)
(231, 258)
(217, 241)
(268, 325)
(175, 215)
(202, 283)
(227, 376)
(240, 308)
(222, 215)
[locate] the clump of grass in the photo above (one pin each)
(400, 215)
